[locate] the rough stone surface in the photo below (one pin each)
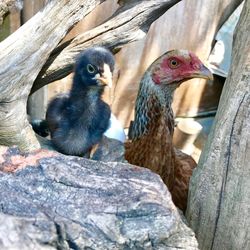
(54, 201)
(109, 150)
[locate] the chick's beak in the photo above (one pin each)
(105, 81)
(203, 72)
(106, 77)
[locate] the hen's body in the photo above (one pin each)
(151, 134)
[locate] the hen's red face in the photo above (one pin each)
(177, 66)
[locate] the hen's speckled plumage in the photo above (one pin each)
(152, 131)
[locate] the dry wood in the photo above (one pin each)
(61, 202)
(22, 56)
(218, 209)
(5, 7)
(26, 56)
(128, 24)
(37, 103)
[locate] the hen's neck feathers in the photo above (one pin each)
(152, 102)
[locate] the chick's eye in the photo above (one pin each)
(173, 63)
(90, 68)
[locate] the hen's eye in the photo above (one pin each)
(90, 68)
(174, 63)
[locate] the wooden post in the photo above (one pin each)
(37, 102)
(219, 198)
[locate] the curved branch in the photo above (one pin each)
(22, 56)
(128, 24)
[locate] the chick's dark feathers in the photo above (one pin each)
(77, 120)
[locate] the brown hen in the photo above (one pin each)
(151, 133)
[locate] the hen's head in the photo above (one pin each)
(176, 66)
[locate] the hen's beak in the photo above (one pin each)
(203, 72)
(106, 77)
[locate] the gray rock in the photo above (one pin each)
(109, 150)
(63, 202)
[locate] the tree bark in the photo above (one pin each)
(130, 23)
(219, 198)
(37, 103)
(22, 56)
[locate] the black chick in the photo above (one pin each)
(77, 120)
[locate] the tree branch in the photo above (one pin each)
(128, 24)
(22, 56)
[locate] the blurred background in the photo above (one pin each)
(195, 102)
